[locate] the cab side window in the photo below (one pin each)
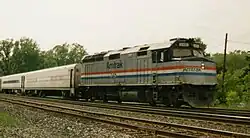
(155, 56)
(160, 56)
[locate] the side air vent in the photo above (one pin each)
(125, 48)
(143, 48)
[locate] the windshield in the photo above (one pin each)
(181, 52)
(198, 53)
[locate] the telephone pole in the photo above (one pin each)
(248, 59)
(224, 63)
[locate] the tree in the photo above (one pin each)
(203, 46)
(18, 56)
(235, 60)
(47, 59)
(236, 78)
(199, 40)
(68, 53)
(26, 55)
(6, 52)
(76, 53)
(60, 54)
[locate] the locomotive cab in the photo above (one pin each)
(195, 74)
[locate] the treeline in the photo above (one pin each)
(17, 56)
(24, 55)
(237, 79)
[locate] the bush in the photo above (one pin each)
(232, 98)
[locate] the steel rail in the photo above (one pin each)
(191, 114)
(199, 129)
(230, 112)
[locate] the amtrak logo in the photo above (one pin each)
(114, 65)
(192, 70)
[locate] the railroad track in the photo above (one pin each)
(233, 112)
(158, 128)
(224, 117)
(233, 117)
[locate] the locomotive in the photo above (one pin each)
(174, 73)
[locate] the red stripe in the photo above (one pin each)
(147, 69)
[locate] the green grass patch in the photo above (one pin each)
(234, 107)
(7, 120)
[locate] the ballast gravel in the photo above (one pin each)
(40, 124)
(185, 121)
(190, 122)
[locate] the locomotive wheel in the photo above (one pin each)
(177, 104)
(152, 103)
(119, 101)
(66, 95)
(105, 100)
(173, 99)
(22, 93)
(63, 94)
(42, 94)
(92, 99)
(74, 98)
(166, 102)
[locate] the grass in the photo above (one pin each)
(7, 120)
(235, 107)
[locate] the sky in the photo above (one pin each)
(102, 25)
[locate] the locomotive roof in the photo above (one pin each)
(137, 48)
(159, 45)
(134, 49)
(112, 52)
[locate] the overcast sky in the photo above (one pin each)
(111, 24)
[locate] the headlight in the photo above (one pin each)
(202, 66)
(183, 44)
(196, 45)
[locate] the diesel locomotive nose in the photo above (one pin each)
(199, 81)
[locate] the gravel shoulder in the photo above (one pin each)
(30, 123)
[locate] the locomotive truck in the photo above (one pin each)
(173, 73)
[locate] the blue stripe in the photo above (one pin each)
(150, 75)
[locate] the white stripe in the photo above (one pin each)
(145, 72)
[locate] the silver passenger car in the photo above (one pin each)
(62, 80)
(12, 83)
